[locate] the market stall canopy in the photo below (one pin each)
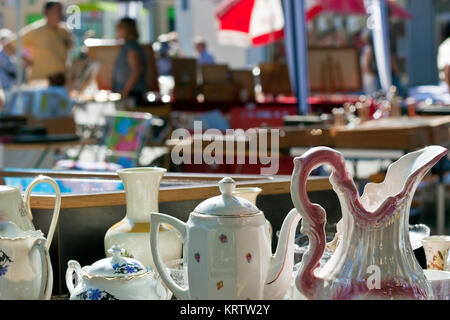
(250, 22)
(102, 6)
(316, 7)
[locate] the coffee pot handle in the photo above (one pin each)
(45, 290)
(35, 182)
(156, 219)
(72, 266)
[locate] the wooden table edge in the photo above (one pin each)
(183, 193)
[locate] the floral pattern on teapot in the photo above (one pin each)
(5, 260)
(126, 268)
(95, 294)
(223, 238)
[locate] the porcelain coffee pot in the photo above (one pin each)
(227, 251)
(373, 258)
(25, 268)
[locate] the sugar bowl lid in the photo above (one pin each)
(116, 266)
(226, 204)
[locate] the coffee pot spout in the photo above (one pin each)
(282, 262)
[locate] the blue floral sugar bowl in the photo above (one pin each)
(114, 278)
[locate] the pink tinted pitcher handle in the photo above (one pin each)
(314, 216)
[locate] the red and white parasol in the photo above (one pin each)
(315, 7)
(248, 23)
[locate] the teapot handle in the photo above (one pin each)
(156, 219)
(72, 266)
(314, 216)
(46, 281)
(35, 182)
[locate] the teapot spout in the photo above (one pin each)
(282, 262)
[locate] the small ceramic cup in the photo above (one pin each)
(250, 194)
(440, 282)
(436, 251)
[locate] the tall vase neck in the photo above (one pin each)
(142, 190)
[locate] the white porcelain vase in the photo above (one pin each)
(251, 194)
(132, 233)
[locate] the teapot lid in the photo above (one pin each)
(226, 204)
(116, 266)
(9, 230)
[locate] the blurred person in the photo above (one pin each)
(7, 64)
(357, 41)
(395, 68)
(2, 98)
(368, 64)
(81, 75)
(443, 58)
(130, 70)
(175, 47)
(204, 57)
(396, 75)
(8, 67)
(48, 42)
(164, 60)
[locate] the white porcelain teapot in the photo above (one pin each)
(25, 268)
(114, 278)
(227, 250)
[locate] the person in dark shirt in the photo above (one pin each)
(130, 70)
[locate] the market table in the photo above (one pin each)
(387, 138)
(424, 109)
(42, 144)
(92, 202)
(391, 138)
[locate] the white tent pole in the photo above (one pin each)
(19, 67)
(379, 24)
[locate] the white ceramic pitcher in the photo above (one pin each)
(25, 268)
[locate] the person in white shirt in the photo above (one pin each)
(204, 57)
(443, 59)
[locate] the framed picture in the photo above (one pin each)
(333, 69)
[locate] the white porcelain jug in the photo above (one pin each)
(25, 268)
(227, 252)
